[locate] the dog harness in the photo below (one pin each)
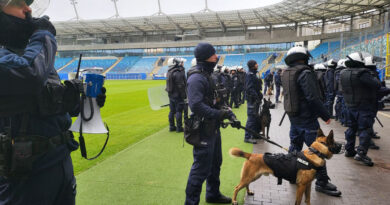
(286, 166)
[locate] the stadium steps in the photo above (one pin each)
(157, 67)
(70, 62)
(265, 68)
(113, 66)
(221, 60)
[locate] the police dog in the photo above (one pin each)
(265, 116)
(255, 166)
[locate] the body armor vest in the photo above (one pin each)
(176, 85)
(321, 81)
(292, 93)
(354, 91)
(337, 82)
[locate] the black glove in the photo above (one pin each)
(101, 98)
(43, 23)
(225, 114)
(73, 89)
(235, 123)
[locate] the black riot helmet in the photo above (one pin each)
(296, 54)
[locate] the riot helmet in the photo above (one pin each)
(173, 62)
(341, 64)
(356, 60)
(218, 68)
(319, 66)
(193, 62)
(331, 63)
(297, 54)
(370, 63)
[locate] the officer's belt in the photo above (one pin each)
(41, 145)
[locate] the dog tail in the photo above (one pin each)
(239, 153)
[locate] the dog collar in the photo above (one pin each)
(316, 152)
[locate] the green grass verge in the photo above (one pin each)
(129, 118)
(155, 170)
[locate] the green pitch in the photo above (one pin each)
(144, 163)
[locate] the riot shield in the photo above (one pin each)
(158, 97)
(38, 7)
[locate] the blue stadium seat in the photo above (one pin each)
(125, 64)
(233, 60)
(144, 65)
(101, 63)
(61, 62)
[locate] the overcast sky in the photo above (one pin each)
(62, 10)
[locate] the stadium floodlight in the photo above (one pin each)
(206, 8)
(116, 8)
(74, 2)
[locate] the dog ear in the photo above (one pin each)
(320, 133)
(331, 135)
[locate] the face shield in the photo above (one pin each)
(37, 6)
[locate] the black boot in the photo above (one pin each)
(220, 200)
(327, 188)
(179, 129)
(351, 153)
(373, 145)
(172, 128)
(363, 158)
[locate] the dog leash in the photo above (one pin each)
(226, 124)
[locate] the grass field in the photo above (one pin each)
(150, 165)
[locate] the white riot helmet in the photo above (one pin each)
(193, 62)
(37, 6)
(319, 66)
(233, 69)
(356, 60)
(331, 63)
(297, 53)
(341, 64)
(224, 68)
(173, 62)
(369, 62)
(217, 68)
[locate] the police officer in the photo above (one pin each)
(278, 84)
(320, 71)
(360, 90)
(227, 81)
(235, 88)
(202, 102)
(34, 119)
(253, 86)
(183, 69)
(340, 105)
(329, 80)
(268, 80)
(303, 104)
(176, 88)
(241, 77)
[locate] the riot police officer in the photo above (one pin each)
(241, 77)
(253, 86)
(360, 90)
(303, 105)
(340, 108)
(176, 88)
(34, 111)
(320, 70)
(329, 80)
(227, 81)
(278, 84)
(235, 88)
(183, 70)
(202, 102)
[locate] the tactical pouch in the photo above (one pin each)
(22, 157)
(5, 154)
(192, 131)
(51, 101)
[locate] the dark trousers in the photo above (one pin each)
(235, 98)
(340, 109)
(306, 134)
(277, 93)
(176, 107)
(253, 121)
(266, 88)
(206, 166)
(329, 103)
(54, 185)
(360, 122)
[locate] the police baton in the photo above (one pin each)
(281, 121)
(225, 124)
(377, 119)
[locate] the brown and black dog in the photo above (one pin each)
(265, 117)
(255, 166)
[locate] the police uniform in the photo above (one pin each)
(330, 92)
(278, 83)
(359, 89)
(340, 108)
(176, 88)
(235, 91)
(268, 81)
(303, 105)
(253, 86)
(207, 158)
(241, 87)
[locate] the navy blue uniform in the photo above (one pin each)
(207, 160)
(278, 84)
(361, 118)
(176, 85)
(51, 180)
(330, 92)
(253, 86)
(235, 91)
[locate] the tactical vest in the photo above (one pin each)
(337, 82)
(354, 91)
(176, 85)
(292, 92)
(321, 81)
(209, 96)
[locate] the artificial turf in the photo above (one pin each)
(153, 169)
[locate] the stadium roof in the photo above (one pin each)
(287, 13)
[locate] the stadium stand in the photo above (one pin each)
(144, 65)
(258, 57)
(125, 64)
(324, 48)
(233, 60)
(61, 62)
(88, 63)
